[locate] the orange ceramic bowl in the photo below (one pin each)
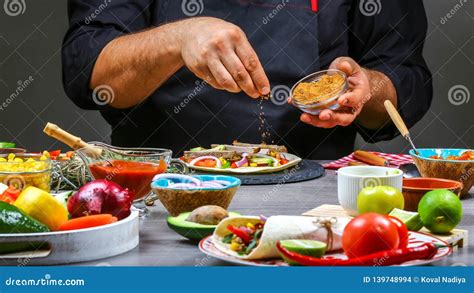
(414, 188)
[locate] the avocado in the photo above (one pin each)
(197, 149)
(13, 220)
(261, 161)
(189, 229)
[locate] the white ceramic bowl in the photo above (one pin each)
(350, 180)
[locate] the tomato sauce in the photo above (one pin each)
(136, 176)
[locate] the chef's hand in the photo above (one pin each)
(351, 102)
(219, 53)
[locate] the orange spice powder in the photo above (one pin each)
(319, 90)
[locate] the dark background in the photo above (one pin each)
(30, 48)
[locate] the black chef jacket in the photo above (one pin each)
(291, 40)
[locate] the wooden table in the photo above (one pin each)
(160, 246)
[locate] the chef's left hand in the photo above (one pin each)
(351, 102)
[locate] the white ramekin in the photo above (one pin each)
(350, 180)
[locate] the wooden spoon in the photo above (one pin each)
(399, 123)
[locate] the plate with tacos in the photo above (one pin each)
(242, 158)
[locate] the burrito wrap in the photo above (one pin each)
(279, 228)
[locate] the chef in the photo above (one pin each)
(184, 73)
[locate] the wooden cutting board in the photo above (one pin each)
(457, 237)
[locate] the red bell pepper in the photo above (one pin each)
(246, 238)
(10, 195)
(381, 258)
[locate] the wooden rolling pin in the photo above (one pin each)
(72, 141)
(370, 158)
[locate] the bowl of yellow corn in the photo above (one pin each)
(22, 170)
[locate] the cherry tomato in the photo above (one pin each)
(402, 231)
(369, 233)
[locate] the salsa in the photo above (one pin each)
(466, 156)
(136, 176)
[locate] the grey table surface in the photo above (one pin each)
(161, 246)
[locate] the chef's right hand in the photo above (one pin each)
(219, 53)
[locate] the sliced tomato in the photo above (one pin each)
(284, 161)
(206, 163)
(233, 165)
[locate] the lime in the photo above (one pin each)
(411, 219)
(440, 211)
(379, 199)
(311, 248)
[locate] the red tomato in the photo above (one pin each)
(369, 233)
(206, 163)
(402, 231)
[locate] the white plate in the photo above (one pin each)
(77, 245)
(293, 160)
(415, 239)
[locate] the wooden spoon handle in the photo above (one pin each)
(65, 137)
(396, 118)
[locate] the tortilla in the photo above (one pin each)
(279, 228)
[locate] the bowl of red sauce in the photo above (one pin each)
(132, 168)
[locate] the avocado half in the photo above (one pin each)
(191, 230)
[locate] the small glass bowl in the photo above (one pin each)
(20, 174)
(329, 101)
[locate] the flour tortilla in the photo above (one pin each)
(278, 228)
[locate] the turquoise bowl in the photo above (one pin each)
(177, 201)
(462, 171)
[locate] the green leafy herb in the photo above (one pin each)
(228, 238)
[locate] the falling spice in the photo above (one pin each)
(319, 90)
(263, 128)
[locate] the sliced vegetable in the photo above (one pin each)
(206, 163)
(88, 222)
(189, 182)
(243, 161)
(9, 195)
(42, 206)
(216, 159)
(237, 231)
